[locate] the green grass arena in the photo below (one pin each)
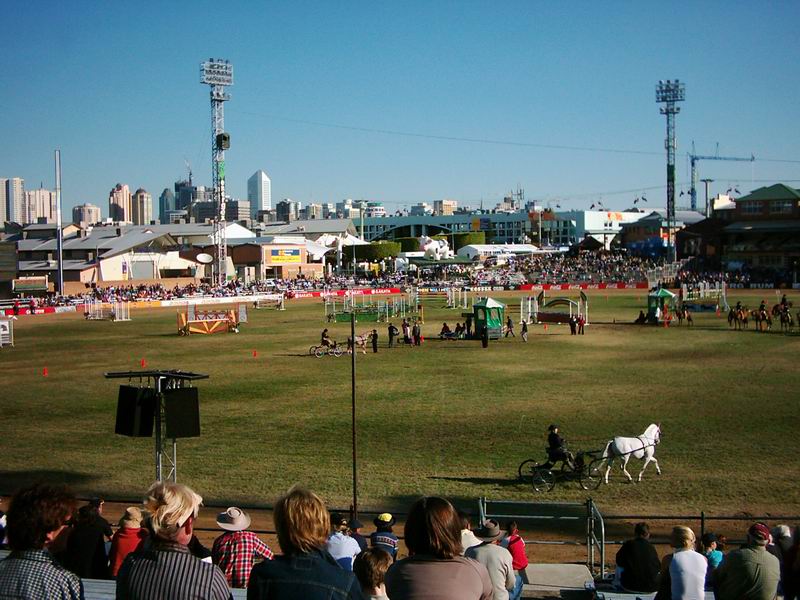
(448, 418)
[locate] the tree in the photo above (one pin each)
(374, 252)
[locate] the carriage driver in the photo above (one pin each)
(557, 448)
(325, 339)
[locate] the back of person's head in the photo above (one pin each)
(465, 521)
(759, 534)
(511, 527)
(682, 537)
(170, 505)
(36, 511)
(301, 521)
(86, 514)
(708, 539)
(642, 530)
(339, 523)
(433, 528)
(370, 568)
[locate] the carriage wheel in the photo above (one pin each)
(525, 468)
(312, 350)
(591, 476)
(337, 351)
(319, 352)
(543, 480)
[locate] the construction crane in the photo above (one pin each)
(693, 158)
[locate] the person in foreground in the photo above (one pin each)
(370, 568)
(305, 570)
(683, 573)
(435, 568)
(638, 560)
(750, 573)
(495, 558)
(37, 516)
(165, 569)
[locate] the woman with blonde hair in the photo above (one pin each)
(683, 573)
(305, 570)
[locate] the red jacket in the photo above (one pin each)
(516, 546)
(125, 541)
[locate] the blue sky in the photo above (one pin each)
(116, 87)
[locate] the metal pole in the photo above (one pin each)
(59, 232)
(353, 406)
(160, 399)
(708, 208)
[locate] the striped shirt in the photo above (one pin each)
(167, 570)
(34, 574)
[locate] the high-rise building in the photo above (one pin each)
(185, 194)
(86, 214)
(312, 211)
(444, 207)
(237, 210)
(40, 206)
(166, 204)
(119, 203)
(287, 210)
(259, 193)
(420, 209)
(141, 207)
(15, 200)
(3, 206)
(328, 210)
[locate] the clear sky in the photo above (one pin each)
(327, 93)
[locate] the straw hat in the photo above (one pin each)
(132, 519)
(233, 519)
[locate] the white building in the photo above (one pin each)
(259, 193)
(40, 205)
(141, 207)
(444, 207)
(15, 200)
(603, 225)
(420, 210)
(119, 203)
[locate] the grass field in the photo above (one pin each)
(448, 418)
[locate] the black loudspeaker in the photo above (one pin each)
(223, 141)
(182, 413)
(136, 409)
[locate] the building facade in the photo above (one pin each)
(15, 199)
(141, 207)
(40, 206)
(501, 228)
(237, 210)
(119, 203)
(259, 193)
(166, 203)
(86, 214)
(287, 210)
(444, 207)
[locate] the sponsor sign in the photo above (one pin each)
(584, 286)
(284, 256)
(359, 292)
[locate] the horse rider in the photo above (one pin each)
(784, 302)
(762, 308)
(557, 448)
(738, 306)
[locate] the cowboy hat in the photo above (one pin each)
(490, 531)
(384, 520)
(233, 519)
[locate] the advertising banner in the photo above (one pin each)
(285, 256)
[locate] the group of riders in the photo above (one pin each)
(739, 316)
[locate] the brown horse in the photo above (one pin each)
(762, 319)
(787, 321)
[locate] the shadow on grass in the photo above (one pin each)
(499, 481)
(14, 480)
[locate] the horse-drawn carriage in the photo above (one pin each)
(543, 477)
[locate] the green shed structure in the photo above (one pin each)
(490, 314)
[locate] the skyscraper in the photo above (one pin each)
(119, 203)
(3, 206)
(40, 205)
(166, 203)
(86, 214)
(141, 207)
(259, 193)
(15, 200)
(185, 194)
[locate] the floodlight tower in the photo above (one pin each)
(218, 73)
(668, 93)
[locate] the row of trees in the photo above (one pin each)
(378, 251)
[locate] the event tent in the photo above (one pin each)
(489, 314)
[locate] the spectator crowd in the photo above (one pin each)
(155, 554)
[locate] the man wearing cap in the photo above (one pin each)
(235, 550)
(129, 538)
(557, 447)
(383, 536)
(750, 573)
(495, 558)
(355, 532)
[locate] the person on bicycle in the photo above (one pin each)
(557, 448)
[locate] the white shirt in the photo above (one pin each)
(468, 540)
(343, 549)
(687, 573)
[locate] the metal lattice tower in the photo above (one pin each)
(218, 73)
(668, 93)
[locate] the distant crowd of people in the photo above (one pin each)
(155, 554)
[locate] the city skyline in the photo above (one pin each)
(404, 104)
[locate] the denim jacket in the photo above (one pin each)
(312, 576)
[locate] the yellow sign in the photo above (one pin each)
(285, 256)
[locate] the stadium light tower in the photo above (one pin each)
(218, 73)
(668, 93)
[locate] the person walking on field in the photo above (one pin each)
(374, 341)
(510, 328)
(581, 323)
(392, 331)
(524, 331)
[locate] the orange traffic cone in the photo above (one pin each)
(143, 363)
(44, 372)
(255, 354)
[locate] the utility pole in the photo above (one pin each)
(218, 74)
(708, 208)
(59, 230)
(668, 93)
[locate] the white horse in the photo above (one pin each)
(641, 447)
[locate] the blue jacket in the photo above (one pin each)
(313, 576)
